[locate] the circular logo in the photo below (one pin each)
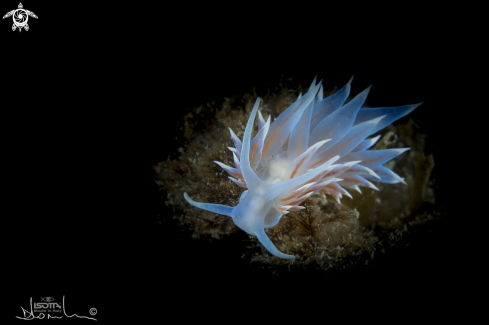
(93, 311)
(47, 299)
(20, 17)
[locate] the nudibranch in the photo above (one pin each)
(316, 146)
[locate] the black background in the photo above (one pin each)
(91, 98)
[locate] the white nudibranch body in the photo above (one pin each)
(316, 146)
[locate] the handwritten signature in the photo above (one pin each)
(29, 315)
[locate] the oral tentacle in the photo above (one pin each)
(265, 241)
(216, 208)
